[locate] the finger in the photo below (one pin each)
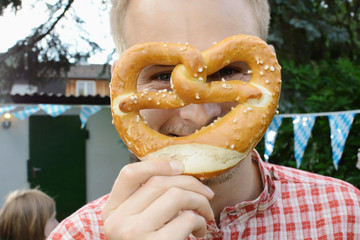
(158, 185)
(186, 223)
(168, 205)
(132, 176)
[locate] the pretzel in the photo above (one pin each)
(213, 149)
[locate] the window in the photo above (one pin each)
(85, 88)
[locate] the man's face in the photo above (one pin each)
(199, 23)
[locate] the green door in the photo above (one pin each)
(57, 161)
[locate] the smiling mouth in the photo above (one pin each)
(186, 129)
(179, 134)
(181, 129)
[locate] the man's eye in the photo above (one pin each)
(162, 77)
(227, 72)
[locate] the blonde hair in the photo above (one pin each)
(119, 7)
(117, 18)
(262, 11)
(24, 215)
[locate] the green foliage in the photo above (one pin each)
(318, 46)
(313, 30)
(327, 85)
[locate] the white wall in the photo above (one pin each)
(105, 155)
(14, 152)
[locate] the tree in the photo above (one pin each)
(41, 56)
(318, 46)
(313, 30)
(15, 4)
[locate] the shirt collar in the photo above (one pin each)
(242, 211)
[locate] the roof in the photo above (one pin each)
(90, 71)
(49, 98)
(54, 92)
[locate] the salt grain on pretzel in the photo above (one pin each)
(213, 149)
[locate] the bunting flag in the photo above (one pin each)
(28, 110)
(340, 125)
(270, 136)
(54, 110)
(86, 112)
(303, 126)
(6, 108)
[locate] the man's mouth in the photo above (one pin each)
(179, 130)
(173, 135)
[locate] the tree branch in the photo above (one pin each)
(52, 26)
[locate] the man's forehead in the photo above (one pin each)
(187, 21)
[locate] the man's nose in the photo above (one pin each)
(201, 114)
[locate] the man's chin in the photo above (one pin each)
(223, 178)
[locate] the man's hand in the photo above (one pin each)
(151, 200)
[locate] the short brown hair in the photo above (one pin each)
(119, 7)
(24, 215)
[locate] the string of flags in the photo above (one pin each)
(340, 124)
(86, 112)
(6, 109)
(51, 109)
(54, 110)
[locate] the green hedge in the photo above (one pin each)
(323, 86)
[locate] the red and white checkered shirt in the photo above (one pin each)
(293, 205)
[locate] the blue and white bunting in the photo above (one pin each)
(6, 108)
(54, 110)
(303, 126)
(86, 112)
(270, 136)
(26, 112)
(340, 125)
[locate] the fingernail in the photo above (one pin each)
(209, 191)
(177, 166)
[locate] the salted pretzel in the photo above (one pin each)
(215, 148)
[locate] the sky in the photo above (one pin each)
(18, 25)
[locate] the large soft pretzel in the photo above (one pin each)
(215, 148)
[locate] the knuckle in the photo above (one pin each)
(155, 181)
(128, 230)
(203, 199)
(128, 172)
(104, 215)
(110, 229)
(175, 193)
(158, 183)
(191, 217)
(113, 230)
